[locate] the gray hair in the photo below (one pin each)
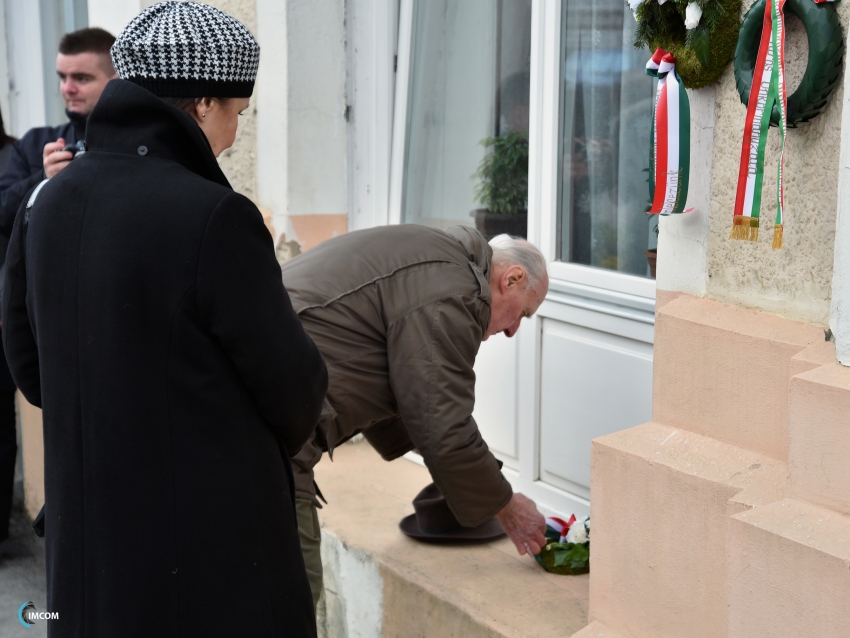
(515, 251)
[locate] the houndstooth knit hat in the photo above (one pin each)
(187, 49)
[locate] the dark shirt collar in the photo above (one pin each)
(78, 121)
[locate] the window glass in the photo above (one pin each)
(606, 110)
(469, 81)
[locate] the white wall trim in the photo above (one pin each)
(544, 125)
(113, 15)
(25, 59)
(683, 239)
(840, 312)
(399, 134)
(273, 113)
(372, 26)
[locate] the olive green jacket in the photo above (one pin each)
(399, 313)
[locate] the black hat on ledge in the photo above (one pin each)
(433, 521)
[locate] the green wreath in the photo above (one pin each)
(701, 53)
(823, 71)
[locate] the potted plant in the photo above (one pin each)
(502, 186)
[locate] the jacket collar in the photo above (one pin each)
(480, 255)
(78, 123)
(128, 117)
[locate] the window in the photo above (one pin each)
(606, 109)
(469, 80)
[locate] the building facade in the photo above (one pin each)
(716, 403)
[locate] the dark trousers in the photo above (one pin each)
(8, 445)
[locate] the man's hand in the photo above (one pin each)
(54, 158)
(524, 524)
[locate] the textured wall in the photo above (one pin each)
(239, 162)
(795, 281)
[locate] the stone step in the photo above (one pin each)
(789, 572)
(662, 498)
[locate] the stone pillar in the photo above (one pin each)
(301, 117)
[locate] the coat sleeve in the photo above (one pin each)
(15, 182)
(431, 352)
(19, 341)
(248, 309)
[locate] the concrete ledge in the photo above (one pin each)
(788, 572)
(381, 583)
(597, 630)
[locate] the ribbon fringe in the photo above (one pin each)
(777, 236)
(745, 228)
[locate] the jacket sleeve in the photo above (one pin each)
(431, 352)
(15, 182)
(19, 341)
(248, 309)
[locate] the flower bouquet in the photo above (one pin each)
(568, 549)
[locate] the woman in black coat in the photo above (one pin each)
(144, 312)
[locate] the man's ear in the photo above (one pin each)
(515, 275)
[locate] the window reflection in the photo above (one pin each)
(606, 106)
(469, 83)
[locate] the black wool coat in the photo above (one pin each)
(144, 312)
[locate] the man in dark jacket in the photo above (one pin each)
(144, 313)
(84, 67)
(399, 313)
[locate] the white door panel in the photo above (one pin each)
(495, 396)
(592, 383)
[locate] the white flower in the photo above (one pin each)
(692, 15)
(633, 5)
(661, 1)
(578, 532)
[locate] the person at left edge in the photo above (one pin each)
(84, 66)
(145, 313)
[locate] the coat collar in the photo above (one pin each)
(480, 255)
(128, 117)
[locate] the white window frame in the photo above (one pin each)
(573, 287)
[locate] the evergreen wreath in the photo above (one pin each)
(701, 34)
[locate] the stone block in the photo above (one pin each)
(789, 572)
(660, 510)
(724, 372)
(819, 437)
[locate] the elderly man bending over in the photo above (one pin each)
(399, 313)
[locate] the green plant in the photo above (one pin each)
(503, 174)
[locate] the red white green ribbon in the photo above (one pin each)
(768, 89)
(670, 160)
(559, 527)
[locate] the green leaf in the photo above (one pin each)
(699, 43)
(571, 554)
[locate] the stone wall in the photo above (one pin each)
(239, 162)
(795, 281)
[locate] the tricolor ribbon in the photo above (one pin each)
(559, 527)
(768, 88)
(671, 138)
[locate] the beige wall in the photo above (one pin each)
(239, 162)
(795, 281)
